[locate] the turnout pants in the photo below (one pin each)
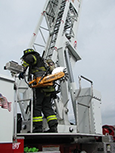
(42, 104)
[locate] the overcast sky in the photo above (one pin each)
(96, 36)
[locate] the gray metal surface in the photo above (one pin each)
(72, 135)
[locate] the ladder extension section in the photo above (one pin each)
(56, 27)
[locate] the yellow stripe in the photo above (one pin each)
(25, 64)
(37, 119)
(51, 117)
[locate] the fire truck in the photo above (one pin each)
(55, 36)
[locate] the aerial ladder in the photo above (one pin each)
(55, 38)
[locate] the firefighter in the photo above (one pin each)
(51, 65)
(42, 95)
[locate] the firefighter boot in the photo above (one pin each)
(53, 129)
(37, 129)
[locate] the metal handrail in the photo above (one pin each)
(89, 100)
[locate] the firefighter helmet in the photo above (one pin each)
(28, 51)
